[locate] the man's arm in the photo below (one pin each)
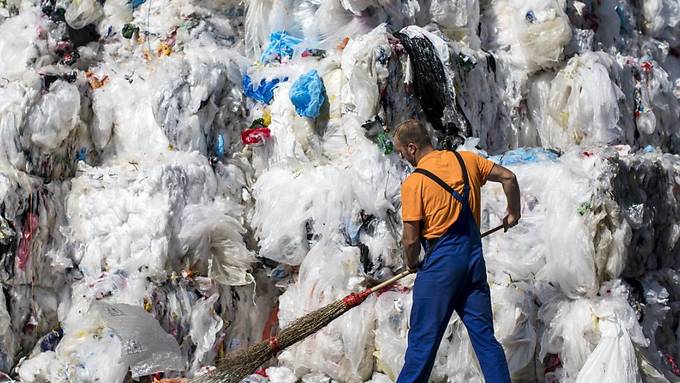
(411, 241)
(511, 189)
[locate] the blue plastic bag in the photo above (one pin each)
(280, 45)
(525, 156)
(308, 94)
(262, 92)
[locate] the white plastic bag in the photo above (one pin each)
(613, 360)
(80, 13)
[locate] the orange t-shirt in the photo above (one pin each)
(423, 199)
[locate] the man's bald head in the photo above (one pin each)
(413, 132)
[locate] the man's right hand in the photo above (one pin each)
(510, 220)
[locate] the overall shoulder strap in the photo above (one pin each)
(436, 179)
(466, 181)
(447, 187)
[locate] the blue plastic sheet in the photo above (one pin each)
(308, 94)
(219, 146)
(137, 3)
(525, 156)
(262, 92)
(281, 45)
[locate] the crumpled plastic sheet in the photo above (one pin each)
(145, 346)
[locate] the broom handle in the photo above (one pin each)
(495, 229)
(406, 272)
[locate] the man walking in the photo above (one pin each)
(441, 211)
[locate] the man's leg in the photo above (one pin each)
(434, 293)
(474, 308)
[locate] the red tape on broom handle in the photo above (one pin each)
(405, 273)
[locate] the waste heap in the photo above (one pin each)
(180, 179)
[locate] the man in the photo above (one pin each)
(441, 209)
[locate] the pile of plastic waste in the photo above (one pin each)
(180, 179)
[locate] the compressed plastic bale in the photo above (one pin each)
(552, 213)
(491, 95)
(662, 19)
(534, 32)
(364, 67)
(180, 102)
(285, 240)
(19, 40)
(579, 106)
(14, 99)
(649, 104)
(308, 94)
(80, 13)
(57, 113)
(308, 213)
(458, 17)
(342, 350)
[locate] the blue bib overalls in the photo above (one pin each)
(452, 277)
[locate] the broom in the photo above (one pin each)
(235, 366)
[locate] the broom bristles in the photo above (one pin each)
(237, 365)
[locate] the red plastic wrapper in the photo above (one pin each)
(31, 226)
(255, 136)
